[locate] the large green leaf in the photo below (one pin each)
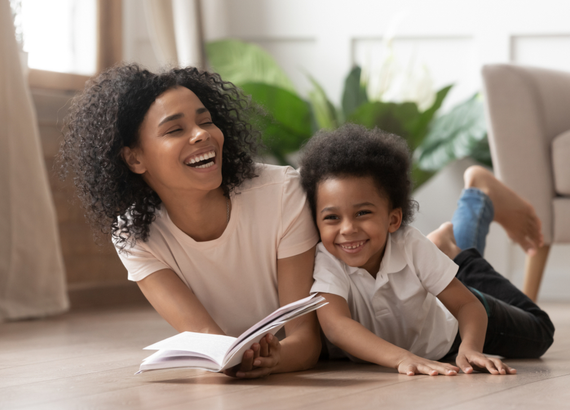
(354, 94)
(285, 107)
(459, 133)
(323, 110)
(286, 124)
(420, 127)
(242, 63)
(397, 118)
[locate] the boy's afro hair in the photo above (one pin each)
(355, 151)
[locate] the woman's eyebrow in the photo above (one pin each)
(171, 118)
(180, 115)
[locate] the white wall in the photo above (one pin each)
(452, 39)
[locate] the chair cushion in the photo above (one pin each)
(561, 163)
(561, 208)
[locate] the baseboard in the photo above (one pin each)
(93, 296)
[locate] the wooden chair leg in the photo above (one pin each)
(533, 272)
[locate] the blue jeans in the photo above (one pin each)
(516, 327)
(472, 219)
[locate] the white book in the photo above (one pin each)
(217, 352)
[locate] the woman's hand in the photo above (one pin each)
(258, 361)
(413, 365)
(467, 358)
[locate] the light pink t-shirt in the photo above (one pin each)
(234, 276)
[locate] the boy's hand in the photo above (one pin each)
(413, 364)
(466, 359)
(258, 361)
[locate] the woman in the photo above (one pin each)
(164, 164)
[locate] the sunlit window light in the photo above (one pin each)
(60, 35)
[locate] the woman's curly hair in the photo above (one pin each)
(107, 116)
(355, 151)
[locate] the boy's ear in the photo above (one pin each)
(130, 156)
(395, 220)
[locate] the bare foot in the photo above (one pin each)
(513, 213)
(444, 239)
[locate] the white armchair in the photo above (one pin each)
(528, 111)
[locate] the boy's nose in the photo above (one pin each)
(347, 227)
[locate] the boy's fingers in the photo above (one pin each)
(463, 364)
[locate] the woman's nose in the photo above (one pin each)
(199, 135)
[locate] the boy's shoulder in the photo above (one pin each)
(325, 260)
(408, 236)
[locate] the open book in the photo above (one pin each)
(218, 352)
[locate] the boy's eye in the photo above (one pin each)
(363, 212)
(330, 217)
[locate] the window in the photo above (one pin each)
(68, 41)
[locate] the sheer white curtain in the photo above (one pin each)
(32, 275)
(176, 31)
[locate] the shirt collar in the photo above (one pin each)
(393, 260)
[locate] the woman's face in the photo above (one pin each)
(180, 148)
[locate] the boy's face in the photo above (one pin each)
(354, 221)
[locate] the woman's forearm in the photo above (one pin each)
(301, 348)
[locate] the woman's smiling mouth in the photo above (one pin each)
(205, 160)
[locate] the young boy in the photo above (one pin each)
(395, 299)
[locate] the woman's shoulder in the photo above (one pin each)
(268, 174)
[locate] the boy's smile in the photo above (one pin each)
(354, 220)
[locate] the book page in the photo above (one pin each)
(166, 359)
(203, 344)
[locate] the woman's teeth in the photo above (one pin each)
(206, 165)
(195, 162)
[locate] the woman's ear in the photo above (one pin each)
(395, 220)
(131, 158)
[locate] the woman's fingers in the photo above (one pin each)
(264, 347)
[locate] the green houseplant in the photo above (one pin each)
(290, 120)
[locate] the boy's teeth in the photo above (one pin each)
(352, 246)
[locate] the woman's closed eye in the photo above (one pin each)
(174, 131)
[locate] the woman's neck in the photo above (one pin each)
(202, 216)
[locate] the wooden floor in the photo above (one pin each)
(87, 360)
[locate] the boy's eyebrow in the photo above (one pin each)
(334, 208)
(360, 205)
(180, 115)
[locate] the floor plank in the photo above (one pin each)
(88, 359)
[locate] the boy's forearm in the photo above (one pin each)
(472, 320)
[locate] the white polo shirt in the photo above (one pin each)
(400, 305)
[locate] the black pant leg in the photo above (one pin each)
(517, 327)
